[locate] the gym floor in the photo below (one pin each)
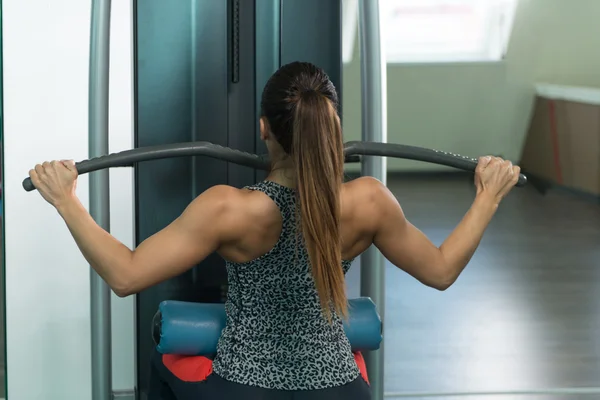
(523, 317)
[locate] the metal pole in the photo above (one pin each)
(374, 122)
(99, 195)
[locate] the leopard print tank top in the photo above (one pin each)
(276, 336)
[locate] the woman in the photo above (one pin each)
(287, 242)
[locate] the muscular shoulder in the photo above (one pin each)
(231, 210)
(364, 190)
(216, 206)
(362, 201)
(218, 199)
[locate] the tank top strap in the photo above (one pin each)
(283, 197)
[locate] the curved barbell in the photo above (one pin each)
(352, 151)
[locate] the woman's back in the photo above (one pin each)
(277, 335)
(259, 221)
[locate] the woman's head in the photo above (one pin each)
(283, 93)
(300, 123)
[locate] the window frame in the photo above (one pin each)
(486, 55)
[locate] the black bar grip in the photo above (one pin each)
(417, 154)
(352, 151)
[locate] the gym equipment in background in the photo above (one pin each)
(200, 70)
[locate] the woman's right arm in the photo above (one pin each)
(408, 248)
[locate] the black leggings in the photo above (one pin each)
(164, 385)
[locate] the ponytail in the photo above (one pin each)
(318, 153)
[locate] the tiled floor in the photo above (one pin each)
(524, 315)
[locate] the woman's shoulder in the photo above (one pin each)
(231, 208)
(363, 202)
(364, 188)
(238, 204)
(227, 196)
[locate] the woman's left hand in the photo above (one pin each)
(56, 181)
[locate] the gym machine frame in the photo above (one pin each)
(374, 129)
(100, 195)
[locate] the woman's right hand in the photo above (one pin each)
(495, 177)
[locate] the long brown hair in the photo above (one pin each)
(300, 104)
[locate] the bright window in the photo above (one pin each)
(431, 31)
(349, 28)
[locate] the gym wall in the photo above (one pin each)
(480, 108)
(46, 54)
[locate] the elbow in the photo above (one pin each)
(446, 274)
(122, 291)
(443, 281)
(123, 287)
(123, 281)
(442, 285)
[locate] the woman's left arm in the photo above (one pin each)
(189, 239)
